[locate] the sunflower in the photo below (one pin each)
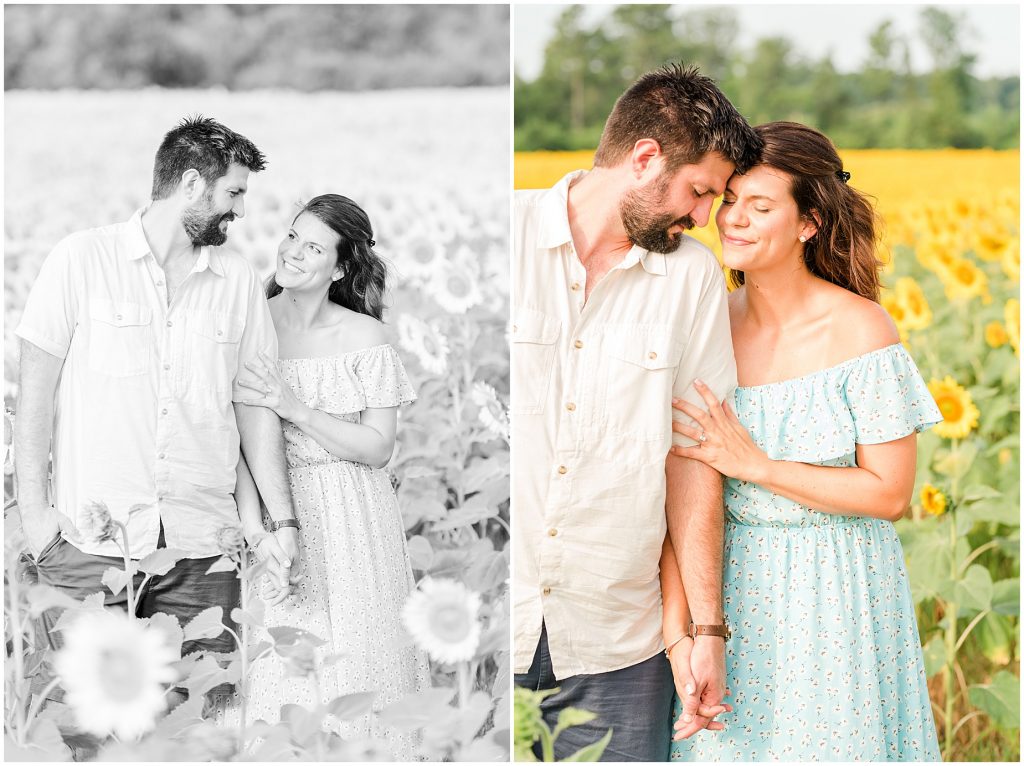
(959, 414)
(113, 670)
(420, 255)
(424, 340)
(995, 334)
(442, 616)
(990, 239)
(95, 522)
(933, 500)
(1011, 316)
(1010, 260)
(492, 413)
(917, 315)
(964, 280)
(894, 307)
(455, 283)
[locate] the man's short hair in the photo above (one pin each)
(683, 111)
(202, 144)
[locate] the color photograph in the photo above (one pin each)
(256, 380)
(765, 354)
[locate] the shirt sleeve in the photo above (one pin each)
(708, 355)
(52, 309)
(258, 336)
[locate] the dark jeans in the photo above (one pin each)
(634, 702)
(183, 592)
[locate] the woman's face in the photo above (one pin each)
(307, 258)
(758, 221)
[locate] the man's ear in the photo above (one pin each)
(646, 156)
(192, 184)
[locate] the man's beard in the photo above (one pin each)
(202, 227)
(646, 227)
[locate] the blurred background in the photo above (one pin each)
(924, 106)
(405, 109)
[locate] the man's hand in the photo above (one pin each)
(698, 705)
(41, 525)
(707, 665)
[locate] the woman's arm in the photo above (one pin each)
(265, 545)
(879, 486)
(370, 441)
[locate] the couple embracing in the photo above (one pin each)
(185, 397)
(704, 481)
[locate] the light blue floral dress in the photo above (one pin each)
(825, 659)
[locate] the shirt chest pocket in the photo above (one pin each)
(120, 339)
(211, 346)
(636, 385)
(534, 339)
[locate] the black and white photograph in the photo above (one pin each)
(256, 381)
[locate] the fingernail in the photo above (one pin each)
(690, 689)
(698, 381)
(675, 400)
(688, 718)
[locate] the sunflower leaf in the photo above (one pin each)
(161, 561)
(207, 624)
(350, 706)
(115, 579)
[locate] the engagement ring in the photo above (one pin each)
(703, 437)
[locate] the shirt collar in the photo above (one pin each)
(553, 228)
(138, 247)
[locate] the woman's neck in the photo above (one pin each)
(780, 297)
(305, 311)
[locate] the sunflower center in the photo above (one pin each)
(450, 623)
(458, 286)
(951, 409)
(423, 253)
(120, 675)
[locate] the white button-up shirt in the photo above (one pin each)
(591, 404)
(144, 415)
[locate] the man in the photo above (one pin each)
(132, 341)
(615, 312)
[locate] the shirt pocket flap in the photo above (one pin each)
(219, 328)
(120, 313)
(531, 326)
(652, 349)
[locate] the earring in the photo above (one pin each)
(803, 238)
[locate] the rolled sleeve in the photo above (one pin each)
(258, 336)
(51, 311)
(708, 355)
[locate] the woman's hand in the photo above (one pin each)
(275, 393)
(722, 441)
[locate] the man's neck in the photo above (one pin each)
(165, 235)
(594, 219)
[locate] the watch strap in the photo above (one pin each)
(282, 523)
(722, 630)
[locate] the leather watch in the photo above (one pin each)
(710, 630)
(281, 524)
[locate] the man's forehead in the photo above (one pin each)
(236, 176)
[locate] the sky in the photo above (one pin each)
(816, 30)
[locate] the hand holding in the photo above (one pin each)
(696, 703)
(722, 441)
(274, 391)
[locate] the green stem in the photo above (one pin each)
(126, 555)
(967, 631)
(547, 744)
(977, 552)
(951, 637)
(18, 652)
(39, 703)
(243, 653)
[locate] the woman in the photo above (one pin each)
(337, 389)
(825, 660)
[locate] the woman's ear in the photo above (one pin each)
(811, 224)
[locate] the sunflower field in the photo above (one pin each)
(430, 167)
(951, 245)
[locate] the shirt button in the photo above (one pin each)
(167, 366)
(161, 456)
(546, 591)
(563, 470)
(552, 532)
(163, 411)
(653, 355)
(574, 286)
(570, 406)
(219, 332)
(118, 317)
(578, 344)
(159, 283)
(169, 323)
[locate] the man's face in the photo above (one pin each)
(206, 222)
(656, 215)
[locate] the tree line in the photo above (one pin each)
(244, 47)
(885, 104)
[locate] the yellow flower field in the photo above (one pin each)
(950, 242)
